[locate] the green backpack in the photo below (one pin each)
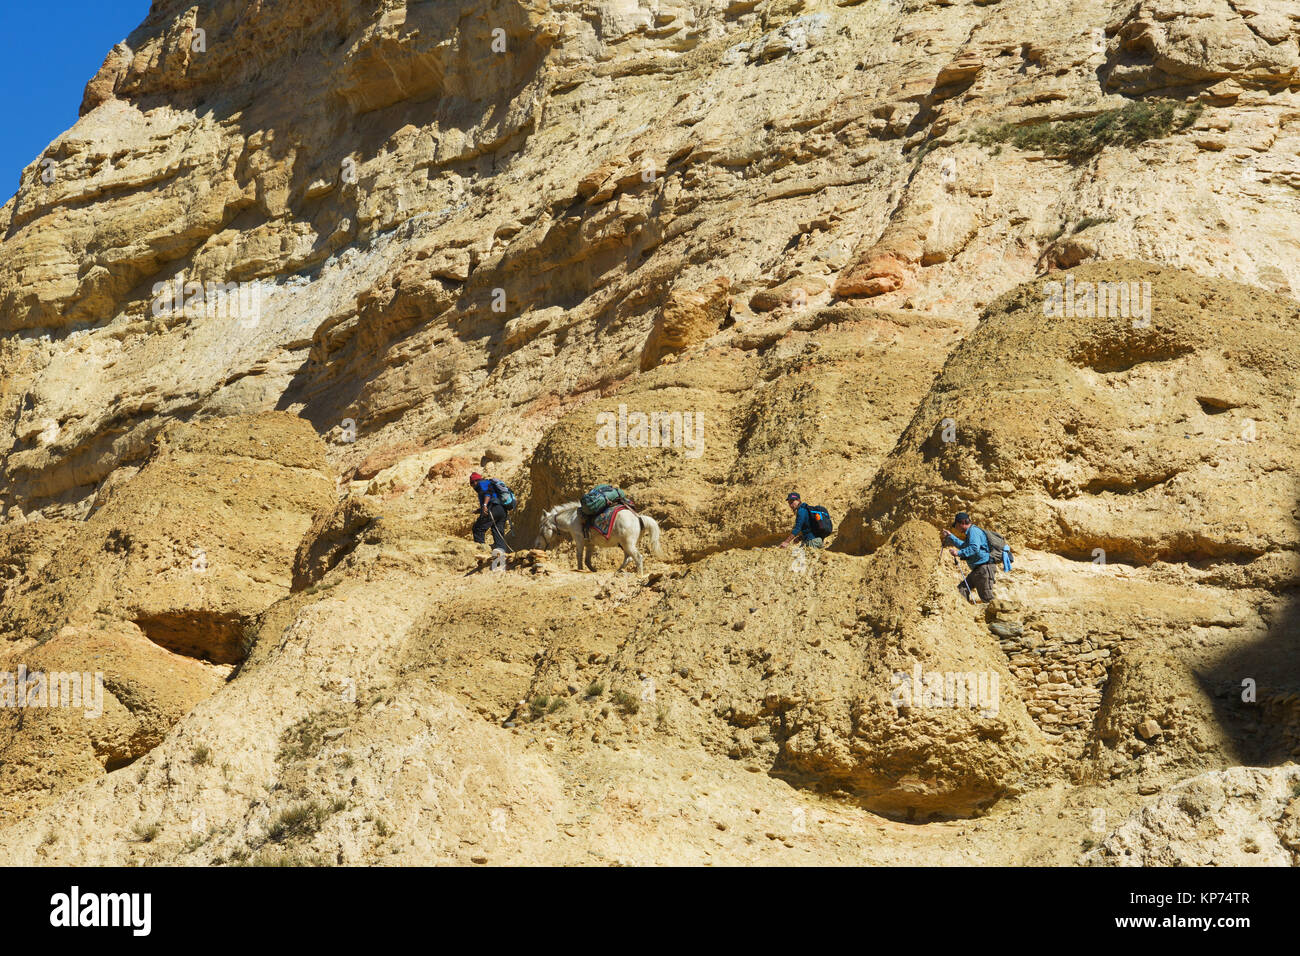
(600, 498)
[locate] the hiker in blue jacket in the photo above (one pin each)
(973, 548)
(803, 532)
(491, 513)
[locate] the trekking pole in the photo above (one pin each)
(503, 534)
(963, 584)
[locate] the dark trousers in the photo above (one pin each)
(980, 580)
(495, 520)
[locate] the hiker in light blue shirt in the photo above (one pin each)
(971, 544)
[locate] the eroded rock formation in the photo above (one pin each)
(299, 268)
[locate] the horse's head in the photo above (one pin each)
(556, 524)
(546, 530)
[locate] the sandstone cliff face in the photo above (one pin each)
(1239, 817)
(447, 237)
(154, 591)
(301, 267)
(713, 440)
(804, 668)
(1165, 433)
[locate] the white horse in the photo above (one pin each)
(568, 519)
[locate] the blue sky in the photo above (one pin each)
(48, 51)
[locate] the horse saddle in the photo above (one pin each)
(604, 522)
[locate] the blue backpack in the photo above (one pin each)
(819, 521)
(504, 494)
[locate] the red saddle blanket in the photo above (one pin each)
(604, 522)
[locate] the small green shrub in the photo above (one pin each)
(283, 859)
(661, 720)
(1087, 222)
(1077, 140)
(301, 820)
(247, 639)
(306, 737)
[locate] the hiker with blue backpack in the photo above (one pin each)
(812, 525)
(982, 551)
(495, 501)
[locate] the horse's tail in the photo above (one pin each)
(652, 527)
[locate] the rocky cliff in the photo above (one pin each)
(300, 267)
